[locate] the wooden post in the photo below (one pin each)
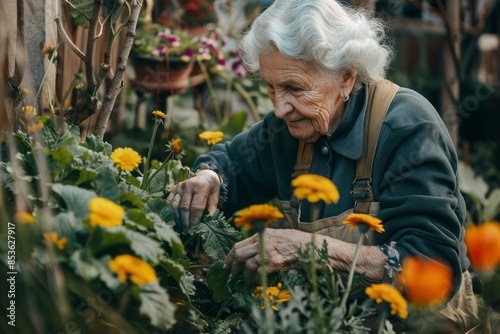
(450, 95)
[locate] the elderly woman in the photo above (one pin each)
(319, 61)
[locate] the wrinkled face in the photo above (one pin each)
(307, 99)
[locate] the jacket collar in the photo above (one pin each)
(347, 140)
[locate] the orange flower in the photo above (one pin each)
(128, 266)
(258, 212)
(273, 296)
(51, 238)
(483, 245)
(314, 188)
(427, 283)
(29, 112)
(33, 128)
(25, 217)
(372, 223)
(386, 292)
(176, 145)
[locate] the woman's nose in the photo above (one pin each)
(282, 107)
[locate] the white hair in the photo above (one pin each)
(333, 36)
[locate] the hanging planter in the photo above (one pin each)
(165, 75)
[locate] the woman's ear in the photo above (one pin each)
(348, 80)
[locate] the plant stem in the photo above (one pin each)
(222, 307)
(351, 273)
(263, 281)
(314, 274)
(157, 171)
(193, 266)
(148, 158)
(211, 90)
(191, 305)
(248, 100)
(381, 318)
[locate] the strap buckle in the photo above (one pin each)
(362, 195)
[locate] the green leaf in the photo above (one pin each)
(166, 233)
(217, 282)
(83, 265)
(65, 224)
(96, 144)
(139, 216)
(235, 124)
(173, 268)
(187, 284)
(61, 136)
(156, 305)
(105, 273)
(132, 198)
(106, 185)
(76, 199)
(104, 239)
(62, 156)
(113, 8)
(492, 206)
(470, 183)
(85, 175)
(133, 181)
(218, 237)
(147, 248)
(81, 10)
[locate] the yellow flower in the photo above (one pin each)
(483, 245)
(126, 158)
(33, 128)
(372, 223)
(159, 114)
(25, 218)
(386, 292)
(212, 137)
(314, 188)
(257, 212)
(104, 212)
(427, 283)
(48, 50)
(273, 296)
(29, 112)
(128, 266)
(51, 238)
(176, 145)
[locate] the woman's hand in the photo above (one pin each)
(281, 246)
(192, 196)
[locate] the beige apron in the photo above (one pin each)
(462, 310)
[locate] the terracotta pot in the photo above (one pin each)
(161, 75)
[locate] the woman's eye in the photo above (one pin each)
(292, 89)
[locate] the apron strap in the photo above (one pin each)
(379, 98)
(302, 165)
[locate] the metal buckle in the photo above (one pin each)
(362, 195)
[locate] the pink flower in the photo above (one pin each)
(173, 40)
(188, 55)
(238, 69)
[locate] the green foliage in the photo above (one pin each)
(78, 172)
(485, 201)
(217, 235)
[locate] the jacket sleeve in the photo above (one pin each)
(421, 205)
(248, 163)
